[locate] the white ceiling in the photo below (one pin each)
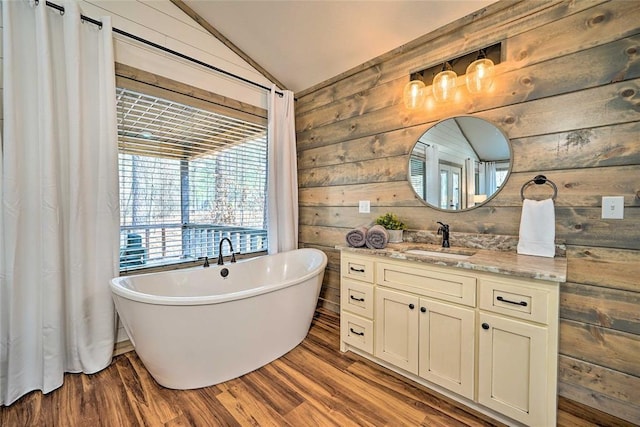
(303, 43)
(487, 141)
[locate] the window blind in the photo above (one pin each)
(188, 178)
(417, 175)
(417, 172)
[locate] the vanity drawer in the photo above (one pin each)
(428, 281)
(356, 331)
(357, 268)
(357, 297)
(515, 299)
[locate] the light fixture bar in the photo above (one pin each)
(477, 66)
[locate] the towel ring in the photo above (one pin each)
(539, 180)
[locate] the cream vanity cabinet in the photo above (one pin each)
(356, 302)
(518, 349)
(486, 338)
(426, 336)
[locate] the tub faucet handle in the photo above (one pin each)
(233, 257)
(206, 262)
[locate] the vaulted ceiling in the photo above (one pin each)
(303, 43)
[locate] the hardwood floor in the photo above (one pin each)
(313, 385)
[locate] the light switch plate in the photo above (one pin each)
(364, 206)
(613, 207)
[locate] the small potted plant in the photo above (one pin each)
(393, 225)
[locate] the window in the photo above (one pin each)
(188, 178)
(418, 175)
(450, 183)
(501, 174)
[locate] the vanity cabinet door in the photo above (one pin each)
(447, 346)
(396, 325)
(513, 371)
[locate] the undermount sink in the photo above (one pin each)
(439, 254)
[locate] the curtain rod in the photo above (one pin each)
(162, 48)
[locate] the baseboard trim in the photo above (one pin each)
(122, 347)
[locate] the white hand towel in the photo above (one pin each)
(537, 228)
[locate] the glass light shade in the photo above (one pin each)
(444, 85)
(480, 75)
(414, 94)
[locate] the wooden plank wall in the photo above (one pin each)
(567, 95)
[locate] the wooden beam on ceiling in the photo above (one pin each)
(202, 22)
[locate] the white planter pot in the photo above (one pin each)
(395, 236)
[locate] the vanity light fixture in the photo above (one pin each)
(444, 83)
(414, 94)
(480, 74)
(477, 66)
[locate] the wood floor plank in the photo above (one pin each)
(588, 415)
(364, 398)
(320, 396)
(27, 411)
(313, 385)
(309, 415)
(247, 410)
(108, 394)
(379, 377)
(568, 419)
(265, 386)
(201, 408)
(142, 389)
(79, 405)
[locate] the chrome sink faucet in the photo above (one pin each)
(233, 255)
(444, 230)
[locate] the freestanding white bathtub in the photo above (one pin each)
(194, 328)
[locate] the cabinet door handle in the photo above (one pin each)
(485, 326)
(423, 309)
(356, 299)
(357, 333)
(411, 306)
(357, 270)
(522, 303)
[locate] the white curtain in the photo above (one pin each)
(488, 184)
(282, 197)
(59, 221)
(432, 174)
(470, 181)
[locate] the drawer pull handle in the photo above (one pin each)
(411, 306)
(423, 309)
(522, 303)
(357, 270)
(356, 299)
(357, 333)
(485, 326)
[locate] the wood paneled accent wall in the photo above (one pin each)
(567, 95)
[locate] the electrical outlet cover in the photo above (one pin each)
(613, 207)
(364, 206)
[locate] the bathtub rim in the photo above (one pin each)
(130, 294)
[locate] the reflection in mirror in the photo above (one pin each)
(459, 163)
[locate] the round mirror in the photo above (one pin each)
(459, 163)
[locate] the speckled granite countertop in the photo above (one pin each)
(500, 262)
